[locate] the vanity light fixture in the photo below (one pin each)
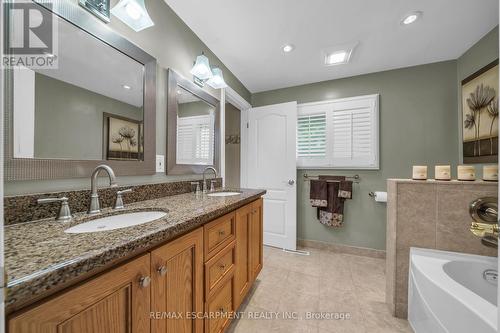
(49, 55)
(201, 68)
(411, 18)
(217, 80)
(133, 13)
(287, 48)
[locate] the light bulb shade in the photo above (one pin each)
(133, 13)
(217, 80)
(201, 68)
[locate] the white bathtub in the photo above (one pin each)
(448, 293)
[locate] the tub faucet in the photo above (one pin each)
(204, 178)
(484, 213)
(95, 206)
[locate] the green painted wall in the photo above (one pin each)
(479, 55)
(418, 125)
(70, 126)
(175, 46)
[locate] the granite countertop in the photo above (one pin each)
(40, 258)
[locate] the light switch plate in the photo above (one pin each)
(160, 163)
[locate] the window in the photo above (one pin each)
(195, 140)
(340, 133)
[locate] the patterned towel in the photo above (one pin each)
(333, 214)
(318, 193)
(345, 189)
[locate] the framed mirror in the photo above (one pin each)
(193, 135)
(97, 106)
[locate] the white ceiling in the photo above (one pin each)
(247, 35)
(87, 62)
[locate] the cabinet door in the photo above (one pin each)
(256, 239)
(177, 285)
(115, 302)
(242, 276)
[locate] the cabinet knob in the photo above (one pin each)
(162, 270)
(222, 266)
(144, 281)
(222, 232)
(221, 309)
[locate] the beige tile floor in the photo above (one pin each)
(323, 282)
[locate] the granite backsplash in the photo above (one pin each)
(24, 208)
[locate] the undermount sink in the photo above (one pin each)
(115, 222)
(223, 194)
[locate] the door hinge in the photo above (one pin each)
(247, 124)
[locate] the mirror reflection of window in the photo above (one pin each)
(195, 130)
(64, 113)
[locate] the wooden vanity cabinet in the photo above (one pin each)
(114, 302)
(207, 271)
(242, 275)
(255, 239)
(177, 285)
(249, 249)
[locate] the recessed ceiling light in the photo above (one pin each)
(288, 48)
(339, 54)
(411, 18)
(126, 87)
(338, 57)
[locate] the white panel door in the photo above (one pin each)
(271, 165)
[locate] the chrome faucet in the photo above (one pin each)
(204, 178)
(95, 206)
(484, 212)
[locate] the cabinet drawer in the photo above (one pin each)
(219, 308)
(220, 268)
(218, 234)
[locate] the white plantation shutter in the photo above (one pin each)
(311, 136)
(195, 140)
(350, 134)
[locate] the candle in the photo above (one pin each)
(419, 172)
(466, 172)
(442, 172)
(490, 172)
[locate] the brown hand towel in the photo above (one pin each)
(318, 193)
(333, 214)
(345, 189)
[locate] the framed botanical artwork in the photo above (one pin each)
(124, 138)
(480, 116)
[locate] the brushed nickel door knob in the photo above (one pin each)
(162, 270)
(291, 182)
(144, 281)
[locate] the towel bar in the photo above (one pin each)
(356, 178)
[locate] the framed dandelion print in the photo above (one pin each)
(124, 138)
(480, 116)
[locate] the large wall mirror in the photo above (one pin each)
(97, 106)
(193, 130)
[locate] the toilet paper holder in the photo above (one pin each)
(378, 196)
